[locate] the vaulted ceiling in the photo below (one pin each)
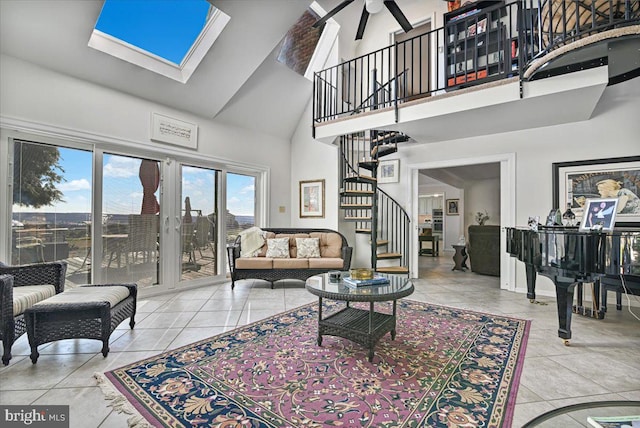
(238, 82)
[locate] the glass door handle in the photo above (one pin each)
(178, 222)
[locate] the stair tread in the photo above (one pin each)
(358, 192)
(381, 242)
(355, 206)
(383, 150)
(392, 269)
(357, 218)
(363, 230)
(360, 178)
(385, 136)
(388, 255)
(368, 165)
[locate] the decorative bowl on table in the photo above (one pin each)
(361, 273)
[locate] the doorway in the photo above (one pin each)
(506, 205)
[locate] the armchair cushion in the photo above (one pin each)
(20, 288)
(28, 295)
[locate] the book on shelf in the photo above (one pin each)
(614, 421)
(376, 280)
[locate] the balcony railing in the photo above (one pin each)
(486, 44)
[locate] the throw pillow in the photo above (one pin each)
(278, 248)
(308, 248)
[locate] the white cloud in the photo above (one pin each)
(122, 167)
(247, 189)
(82, 184)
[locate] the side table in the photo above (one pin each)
(435, 245)
(460, 257)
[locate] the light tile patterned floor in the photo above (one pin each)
(602, 363)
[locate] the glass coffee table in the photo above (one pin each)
(609, 414)
(364, 327)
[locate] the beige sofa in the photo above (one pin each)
(335, 254)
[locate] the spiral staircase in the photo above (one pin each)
(373, 211)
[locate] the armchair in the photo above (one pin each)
(20, 288)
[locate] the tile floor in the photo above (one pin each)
(602, 363)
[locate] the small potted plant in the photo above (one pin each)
(482, 217)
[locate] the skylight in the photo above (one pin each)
(169, 37)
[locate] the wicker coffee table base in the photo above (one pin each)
(360, 326)
(90, 320)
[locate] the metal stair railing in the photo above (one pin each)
(529, 29)
(388, 220)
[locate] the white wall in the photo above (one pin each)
(42, 96)
(481, 196)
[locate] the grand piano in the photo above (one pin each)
(570, 257)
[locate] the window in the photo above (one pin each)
(169, 37)
(51, 217)
(241, 204)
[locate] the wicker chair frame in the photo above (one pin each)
(272, 275)
(87, 320)
(11, 328)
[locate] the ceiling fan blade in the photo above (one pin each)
(332, 12)
(398, 15)
(363, 23)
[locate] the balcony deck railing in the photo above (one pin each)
(492, 43)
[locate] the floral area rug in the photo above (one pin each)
(446, 367)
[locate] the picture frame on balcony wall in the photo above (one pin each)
(575, 182)
(312, 198)
(389, 171)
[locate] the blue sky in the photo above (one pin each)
(122, 191)
(166, 28)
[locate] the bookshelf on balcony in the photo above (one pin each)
(477, 45)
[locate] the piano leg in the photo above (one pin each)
(564, 297)
(531, 281)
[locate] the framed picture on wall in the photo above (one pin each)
(452, 206)
(389, 171)
(312, 198)
(576, 181)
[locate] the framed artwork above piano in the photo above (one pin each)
(576, 181)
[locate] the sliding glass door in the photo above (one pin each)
(51, 207)
(122, 216)
(198, 222)
(130, 229)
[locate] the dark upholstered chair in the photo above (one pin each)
(484, 249)
(36, 277)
